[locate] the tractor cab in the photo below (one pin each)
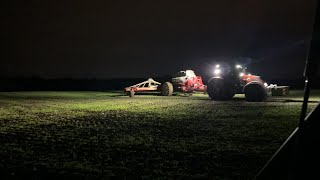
(229, 71)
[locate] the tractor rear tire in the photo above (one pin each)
(255, 92)
(167, 89)
(220, 89)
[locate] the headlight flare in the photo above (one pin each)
(238, 66)
(217, 71)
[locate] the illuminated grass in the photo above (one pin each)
(107, 133)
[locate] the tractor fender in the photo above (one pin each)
(215, 77)
(250, 83)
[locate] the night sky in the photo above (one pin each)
(115, 39)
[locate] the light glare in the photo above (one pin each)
(217, 71)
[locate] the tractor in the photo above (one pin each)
(230, 79)
(185, 82)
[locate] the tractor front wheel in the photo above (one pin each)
(220, 89)
(167, 89)
(255, 92)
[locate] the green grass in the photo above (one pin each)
(100, 134)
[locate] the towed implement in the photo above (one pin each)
(148, 85)
(184, 81)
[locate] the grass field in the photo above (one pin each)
(102, 134)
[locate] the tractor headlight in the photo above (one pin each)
(241, 74)
(238, 66)
(217, 71)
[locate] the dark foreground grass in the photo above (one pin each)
(103, 134)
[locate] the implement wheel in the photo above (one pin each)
(131, 93)
(167, 89)
(220, 89)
